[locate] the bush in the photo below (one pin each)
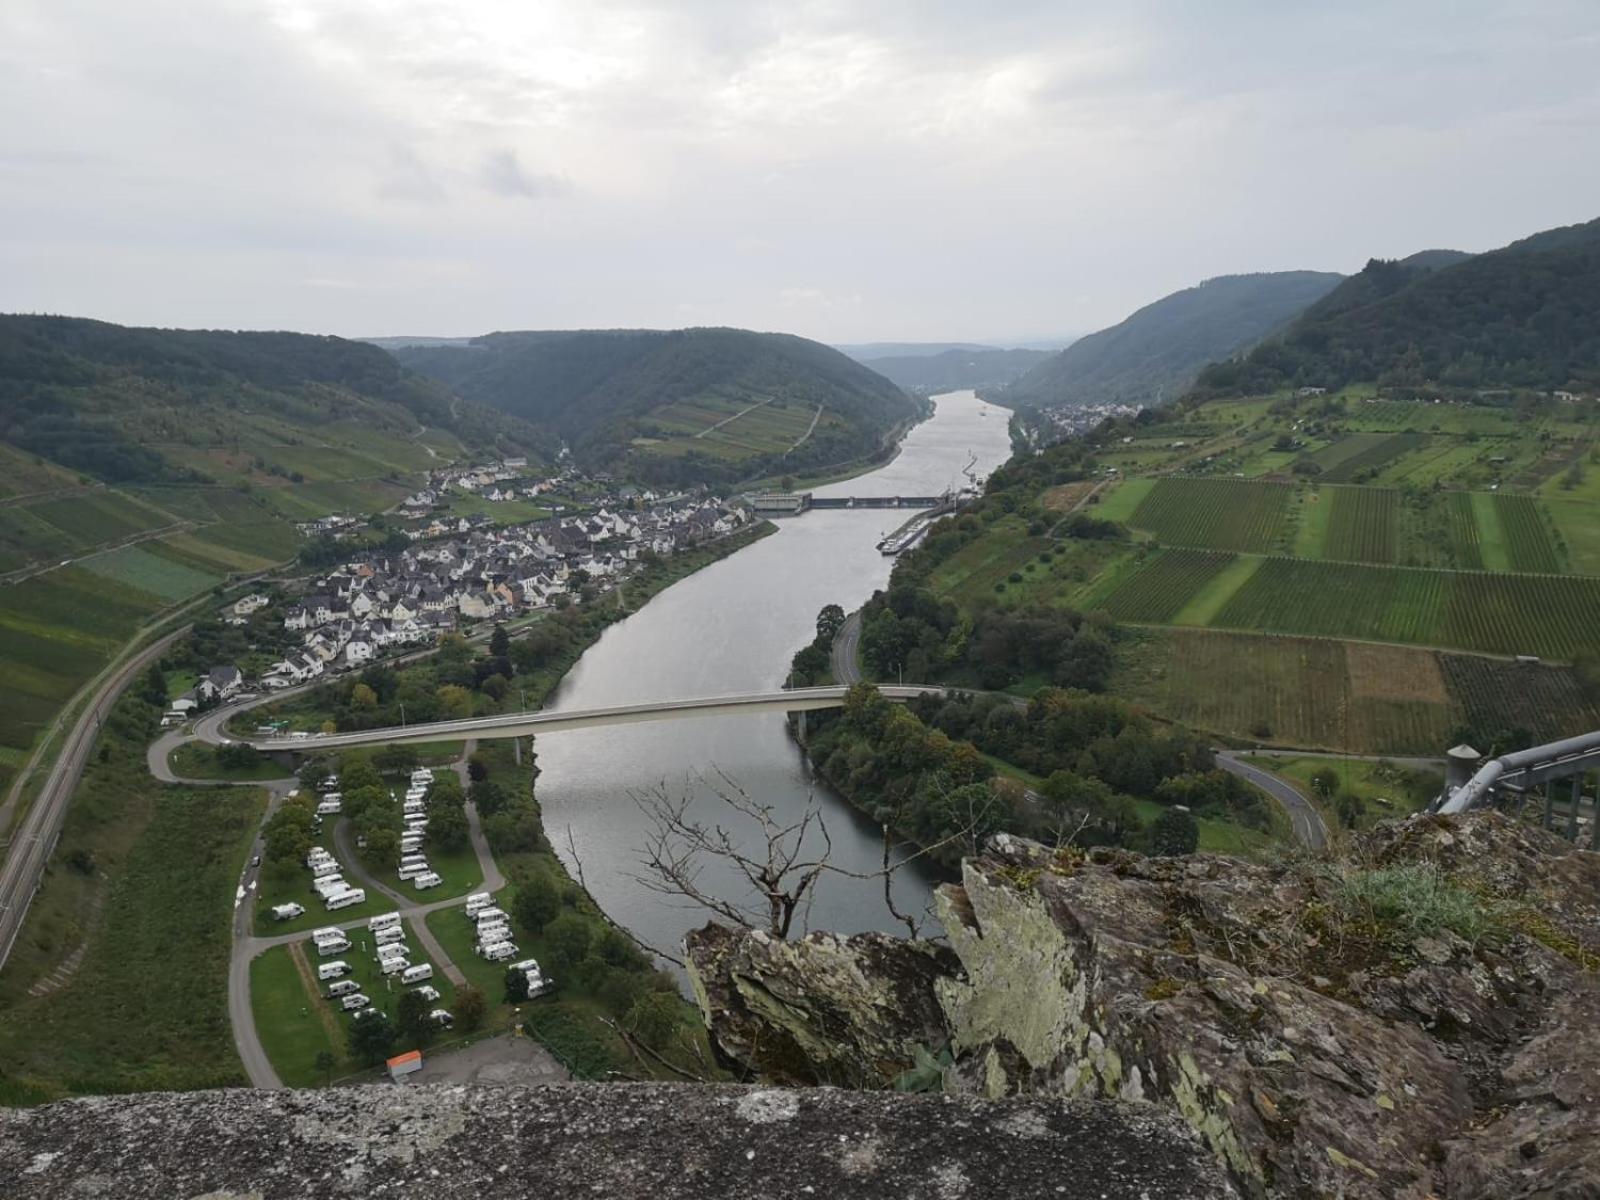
(1417, 898)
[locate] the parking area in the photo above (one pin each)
(504, 1061)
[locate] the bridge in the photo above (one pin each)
(1514, 780)
(521, 724)
(771, 504)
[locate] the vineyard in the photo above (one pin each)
(1497, 697)
(1362, 525)
(1527, 537)
(1498, 614)
(1214, 514)
(1347, 458)
(1157, 591)
(1464, 547)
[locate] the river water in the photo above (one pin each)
(733, 627)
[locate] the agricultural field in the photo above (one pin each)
(730, 428)
(147, 570)
(60, 527)
(1527, 534)
(1362, 524)
(1462, 530)
(1215, 514)
(1499, 614)
(1156, 592)
(1496, 696)
(1347, 458)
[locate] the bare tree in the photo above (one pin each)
(782, 863)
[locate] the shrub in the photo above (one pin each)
(1418, 899)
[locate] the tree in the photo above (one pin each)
(495, 687)
(1175, 832)
(382, 848)
(154, 688)
(568, 936)
(363, 697)
(1324, 781)
(489, 797)
(829, 621)
(1349, 809)
(516, 985)
(370, 1039)
(447, 827)
(414, 1028)
(537, 904)
(477, 768)
(471, 1008)
(325, 1064)
(499, 642)
(1087, 661)
(653, 1018)
(455, 701)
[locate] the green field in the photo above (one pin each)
(139, 942)
(1347, 458)
(1215, 514)
(1156, 592)
(1528, 542)
(142, 568)
(1385, 791)
(1499, 614)
(1464, 538)
(1362, 525)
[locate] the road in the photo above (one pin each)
(35, 839)
(1304, 819)
(846, 651)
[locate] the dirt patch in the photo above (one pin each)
(1393, 673)
(1063, 497)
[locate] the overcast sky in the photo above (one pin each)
(849, 171)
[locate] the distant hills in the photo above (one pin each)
(679, 406)
(160, 405)
(955, 369)
(1524, 316)
(1156, 353)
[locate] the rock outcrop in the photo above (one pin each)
(615, 1141)
(1414, 1020)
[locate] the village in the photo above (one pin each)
(460, 571)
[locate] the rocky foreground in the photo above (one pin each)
(1418, 1019)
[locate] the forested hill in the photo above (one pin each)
(1156, 353)
(127, 404)
(680, 406)
(1525, 316)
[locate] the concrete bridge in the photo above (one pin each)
(521, 724)
(794, 503)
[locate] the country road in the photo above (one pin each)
(1309, 828)
(846, 651)
(30, 849)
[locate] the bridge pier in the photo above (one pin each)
(1572, 813)
(1549, 800)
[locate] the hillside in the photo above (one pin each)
(680, 406)
(161, 405)
(1525, 316)
(1156, 353)
(954, 369)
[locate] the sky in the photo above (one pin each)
(876, 170)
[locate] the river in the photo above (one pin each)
(733, 627)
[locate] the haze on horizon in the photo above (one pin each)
(895, 171)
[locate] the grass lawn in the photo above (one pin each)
(1311, 538)
(1578, 522)
(1117, 503)
(1202, 608)
(299, 891)
(1492, 545)
(195, 760)
(1371, 781)
(458, 869)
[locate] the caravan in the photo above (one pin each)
(347, 899)
(384, 921)
(417, 974)
(333, 970)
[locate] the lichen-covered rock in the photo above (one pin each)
(847, 1012)
(665, 1142)
(1433, 1040)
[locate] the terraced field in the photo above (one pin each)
(1158, 591)
(1215, 514)
(1362, 525)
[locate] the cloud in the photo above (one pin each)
(504, 175)
(856, 172)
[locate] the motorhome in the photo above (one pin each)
(428, 992)
(329, 885)
(339, 947)
(325, 866)
(347, 899)
(407, 859)
(485, 915)
(412, 871)
(328, 933)
(427, 879)
(477, 902)
(417, 974)
(333, 970)
(389, 933)
(315, 855)
(500, 951)
(443, 1017)
(354, 1001)
(344, 987)
(391, 950)
(384, 920)
(287, 912)
(329, 784)
(328, 807)
(394, 966)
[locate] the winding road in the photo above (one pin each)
(1309, 828)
